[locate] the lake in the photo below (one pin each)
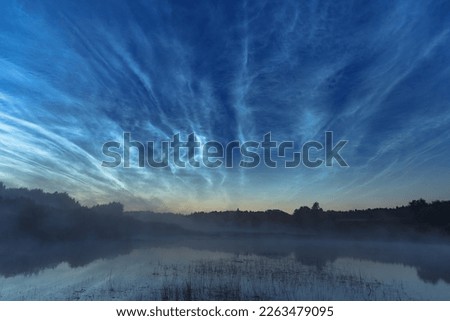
(228, 268)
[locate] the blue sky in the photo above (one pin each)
(77, 74)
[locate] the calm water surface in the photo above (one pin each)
(230, 269)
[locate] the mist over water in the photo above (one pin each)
(224, 268)
(78, 74)
(51, 247)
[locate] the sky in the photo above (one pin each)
(77, 74)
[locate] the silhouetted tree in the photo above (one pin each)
(113, 208)
(302, 210)
(418, 204)
(316, 208)
(2, 190)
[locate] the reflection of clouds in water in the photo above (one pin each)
(61, 281)
(155, 266)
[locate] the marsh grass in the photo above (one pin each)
(248, 278)
(209, 276)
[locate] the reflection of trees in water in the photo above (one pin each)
(29, 257)
(40, 230)
(432, 261)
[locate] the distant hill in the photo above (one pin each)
(58, 217)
